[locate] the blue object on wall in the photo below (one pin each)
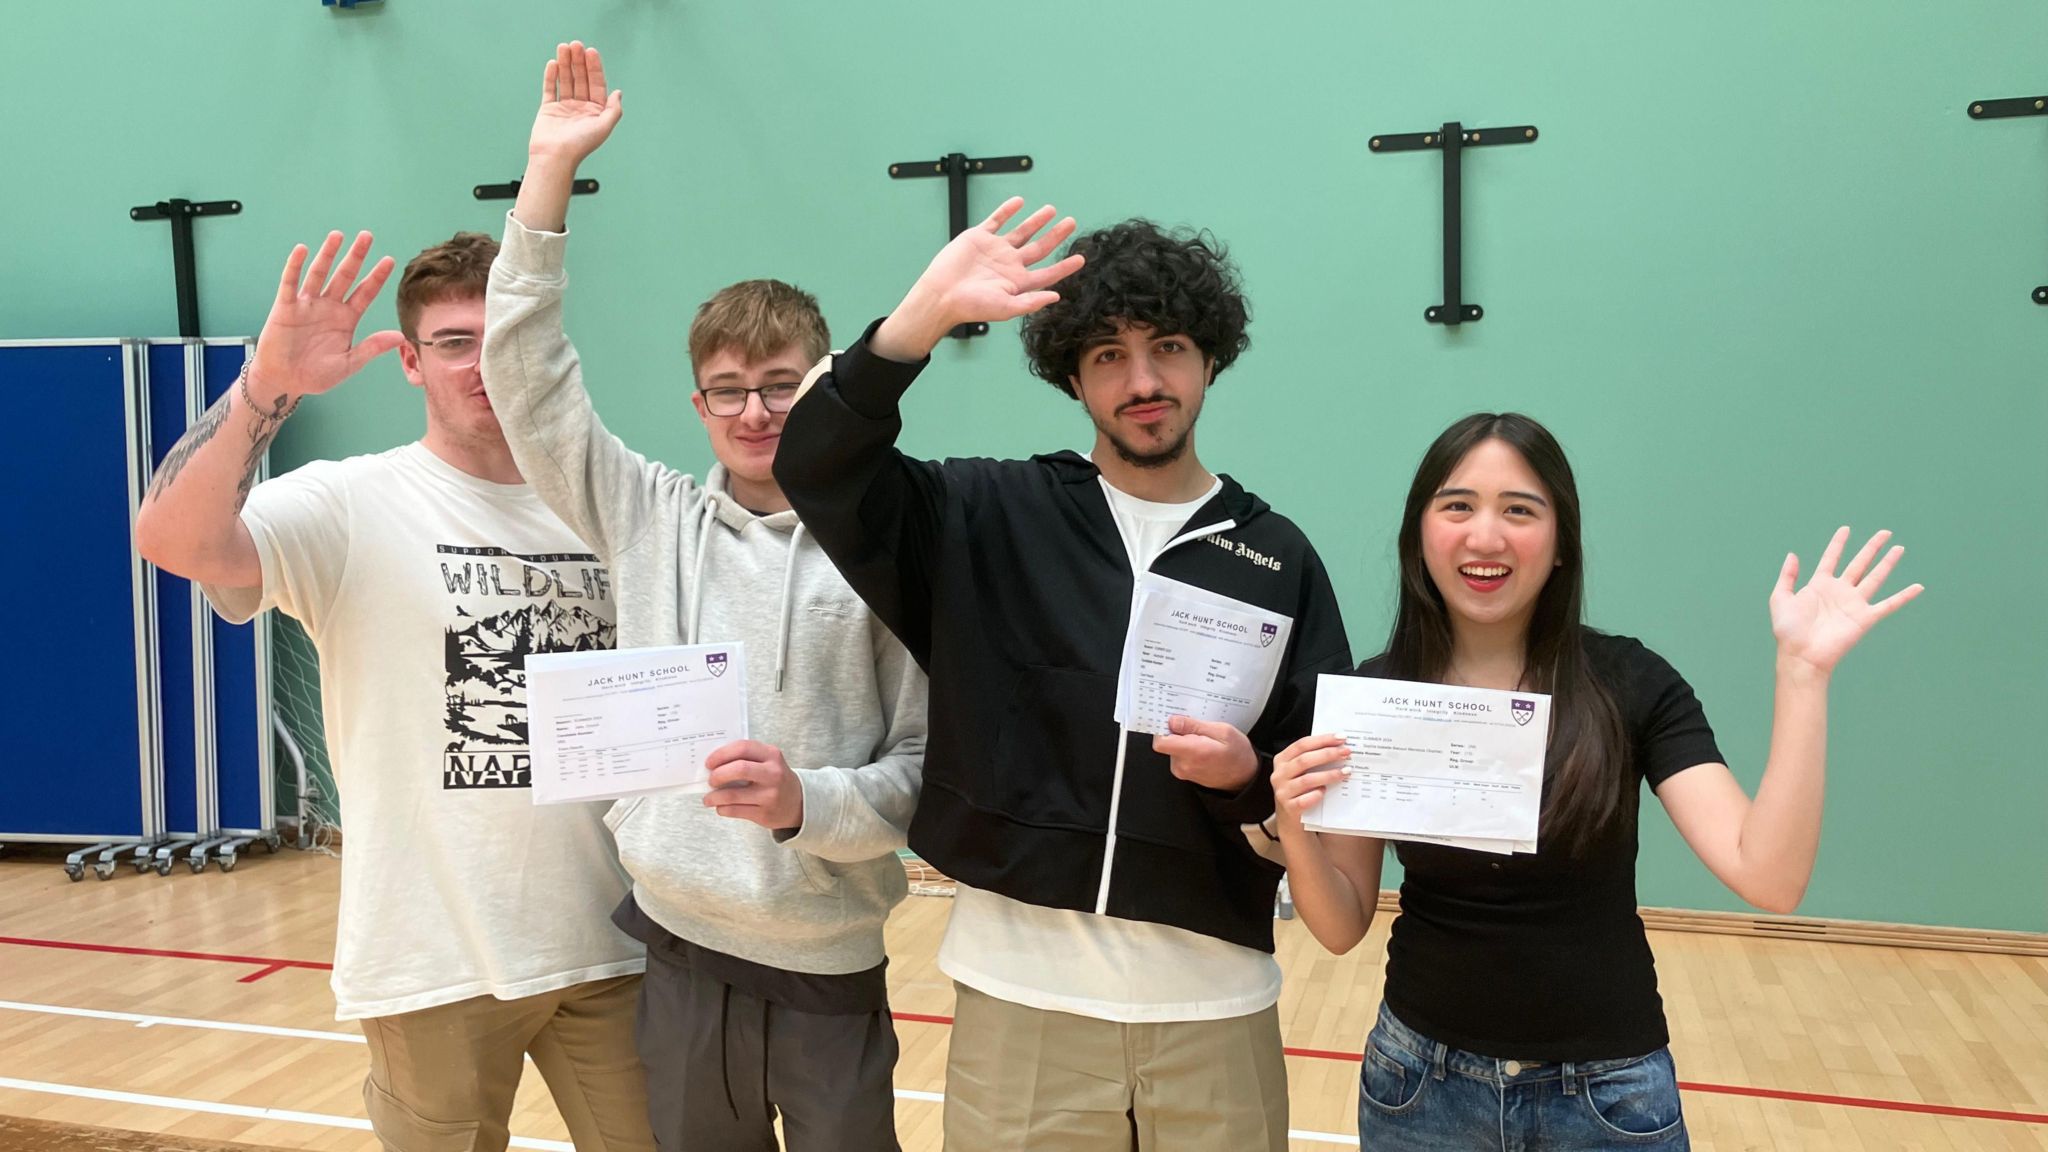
(241, 673)
(78, 720)
(178, 676)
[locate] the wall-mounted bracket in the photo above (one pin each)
(1999, 110)
(1452, 139)
(181, 213)
(956, 167)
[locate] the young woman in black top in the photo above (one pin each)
(1521, 1007)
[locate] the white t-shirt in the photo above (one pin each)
(1104, 967)
(424, 588)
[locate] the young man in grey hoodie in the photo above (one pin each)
(762, 903)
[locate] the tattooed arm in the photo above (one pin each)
(190, 522)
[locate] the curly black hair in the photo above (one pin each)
(1177, 281)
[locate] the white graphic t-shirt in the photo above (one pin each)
(424, 589)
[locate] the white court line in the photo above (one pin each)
(181, 1022)
(143, 1021)
(245, 1111)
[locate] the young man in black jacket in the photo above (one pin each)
(1111, 942)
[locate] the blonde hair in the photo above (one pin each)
(759, 318)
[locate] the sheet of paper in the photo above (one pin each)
(605, 725)
(1434, 762)
(1475, 844)
(1193, 652)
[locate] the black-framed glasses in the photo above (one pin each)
(733, 401)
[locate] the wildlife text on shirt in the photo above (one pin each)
(504, 607)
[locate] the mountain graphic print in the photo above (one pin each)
(505, 607)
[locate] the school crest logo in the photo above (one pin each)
(715, 663)
(1524, 711)
(1266, 634)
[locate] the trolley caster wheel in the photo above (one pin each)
(144, 864)
(198, 864)
(163, 867)
(104, 871)
(227, 862)
(272, 843)
(75, 871)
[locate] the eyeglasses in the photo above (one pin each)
(458, 351)
(733, 401)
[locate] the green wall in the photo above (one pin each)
(1761, 274)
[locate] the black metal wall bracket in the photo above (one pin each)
(1999, 110)
(1452, 139)
(2017, 106)
(510, 191)
(180, 214)
(956, 167)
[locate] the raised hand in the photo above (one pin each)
(1818, 624)
(308, 343)
(576, 113)
(983, 274)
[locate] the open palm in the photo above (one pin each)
(986, 274)
(1819, 623)
(576, 113)
(308, 343)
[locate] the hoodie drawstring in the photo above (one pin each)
(724, 1046)
(694, 595)
(796, 539)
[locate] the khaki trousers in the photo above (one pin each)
(442, 1079)
(1023, 1078)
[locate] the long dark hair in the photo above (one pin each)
(1586, 778)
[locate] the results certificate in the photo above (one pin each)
(1434, 762)
(609, 724)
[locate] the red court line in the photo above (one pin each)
(1689, 1086)
(260, 973)
(267, 965)
(1860, 1102)
(1326, 1054)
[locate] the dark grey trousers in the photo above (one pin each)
(722, 1063)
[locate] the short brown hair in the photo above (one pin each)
(458, 268)
(759, 318)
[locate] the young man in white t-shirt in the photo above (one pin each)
(473, 924)
(1112, 939)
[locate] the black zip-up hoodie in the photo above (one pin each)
(1009, 583)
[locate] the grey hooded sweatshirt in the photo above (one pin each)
(826, 682)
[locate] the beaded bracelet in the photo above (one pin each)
(242, 382)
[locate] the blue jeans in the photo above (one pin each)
(1416, 1095)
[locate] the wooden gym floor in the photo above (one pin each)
(197, 1007)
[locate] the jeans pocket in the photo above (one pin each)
(1638, 1101)
(1392, 1079)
